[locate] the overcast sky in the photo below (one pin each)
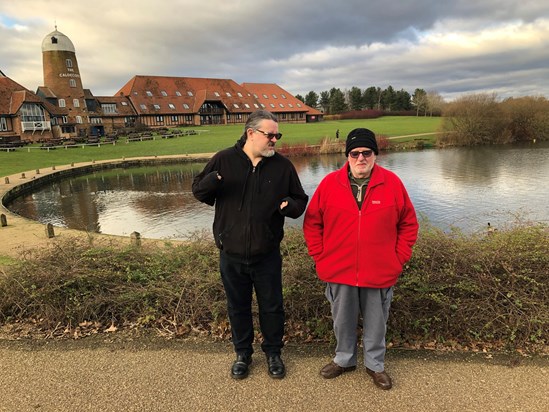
(453, 47)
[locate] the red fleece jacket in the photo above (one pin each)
(367, 247)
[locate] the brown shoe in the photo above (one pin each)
(333, 370)
(381, 379)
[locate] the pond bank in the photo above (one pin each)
(21, 234)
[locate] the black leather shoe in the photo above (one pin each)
(240, 368)
(277, 370)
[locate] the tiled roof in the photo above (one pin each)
(7, 87)
(167, 95)
(275, 99)
(123, 105)
(46, 92)
(13, 95)
(155, 94)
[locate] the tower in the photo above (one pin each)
(62, 78)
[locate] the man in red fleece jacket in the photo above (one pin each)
(360, 227)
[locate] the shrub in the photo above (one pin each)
(488, 289)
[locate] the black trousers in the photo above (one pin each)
(240, 278)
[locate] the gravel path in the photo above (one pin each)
(98, 374)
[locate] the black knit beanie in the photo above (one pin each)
(361, 138)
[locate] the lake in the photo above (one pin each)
(456, 187)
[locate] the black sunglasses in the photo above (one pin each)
(270, 136)
(364, 153)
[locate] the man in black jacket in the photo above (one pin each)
(253, 189)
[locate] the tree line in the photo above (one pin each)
(336, 101)
(479, 119)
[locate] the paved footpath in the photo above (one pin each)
(99, 374)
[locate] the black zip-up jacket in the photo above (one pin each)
(248, 220)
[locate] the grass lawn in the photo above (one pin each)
(210, 139)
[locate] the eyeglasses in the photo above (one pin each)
(270, 136)
(364, 153)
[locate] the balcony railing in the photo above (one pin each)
(35, 126)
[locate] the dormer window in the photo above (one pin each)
(54, 40)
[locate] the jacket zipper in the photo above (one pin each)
(358, 246)
(250, 208)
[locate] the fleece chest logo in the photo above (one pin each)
(376, 202)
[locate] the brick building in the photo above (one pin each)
(63, 109)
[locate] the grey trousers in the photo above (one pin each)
(347, 303)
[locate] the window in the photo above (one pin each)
(239, 94)
(274, 96)
(272, 105)
(143, 106)
(246, 105)
(185, 105)
(256, 96)
(3, 124)
(188, 118)
(96, 120)
(171, 106)
(236, 106)
(156, 106)
(178, 93)
(72, 83)
(256, 105)
(124, 103)
(79, 119)
(228, 94)
(283, 96)
(108, 108)
(65, 120)
(190, 93)
(262, 105)
(75, 103)
(149, 93)
(216, 94)
(265, 96)
(298, 104)
(68, 62)
(280, 104)
(61, 102)
(290, 105)
(174, 119)
(163, 93)
(32, 113)
(159, 119)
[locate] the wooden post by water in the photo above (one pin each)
(49, 231)
(136, 238)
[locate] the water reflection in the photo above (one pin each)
(463, 187)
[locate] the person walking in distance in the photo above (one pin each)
(253, 189)
(360, 227)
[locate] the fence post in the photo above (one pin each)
(136, 238)
(49, 231)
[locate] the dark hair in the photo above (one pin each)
(253, 121)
